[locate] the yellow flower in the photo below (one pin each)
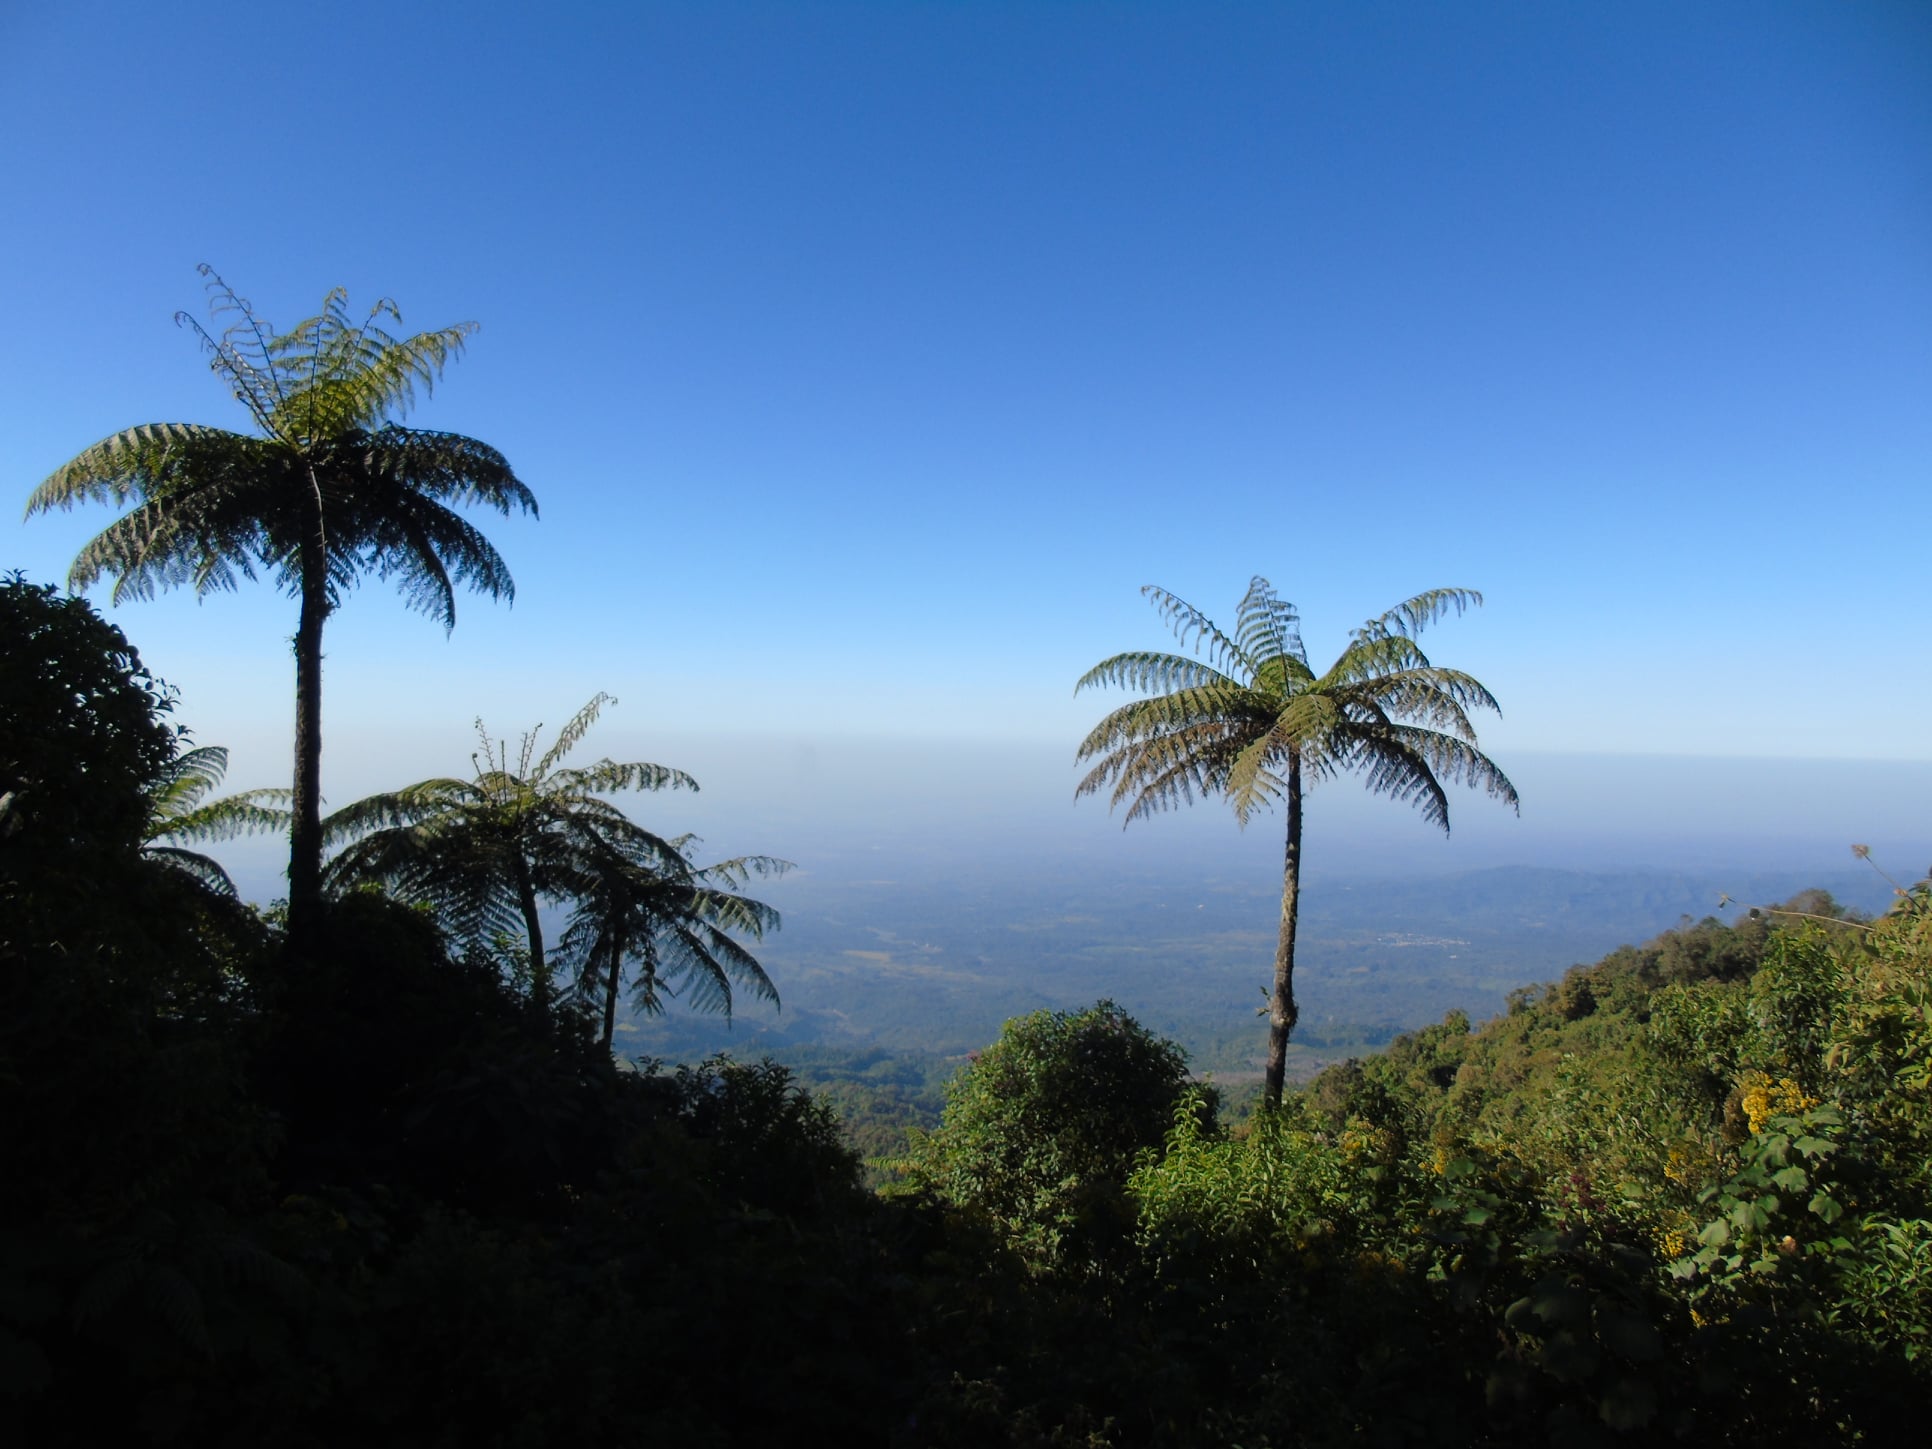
(1763, 1099)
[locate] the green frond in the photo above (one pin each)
(201, 869)
(1167, 769)
(189, 776)
(1411, 616)
(1267, 627)
(741, 869)
(242, 356)
(248, 812)
(1196, 631)
(608, 776)
(356, 377)
(447, 467)
(1404, 692)
(397, 809)
(136, 462)
(456, 872)
(569, 736)
(1457, 762)
(1252, 783)
(705, 965)
(1373, 656)
(427, 550)
(722, 911)
(1145, 670)
(1142, 719)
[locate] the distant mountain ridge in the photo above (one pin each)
(934, 966)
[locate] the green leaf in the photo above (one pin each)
(1627, 1334)
(1824, 1207)
(1560, 1302)
(1630, 1403)
(1791, 1179)
(1569, 1358)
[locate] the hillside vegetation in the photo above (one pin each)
(382, 1191)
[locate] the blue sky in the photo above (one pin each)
(867, 359)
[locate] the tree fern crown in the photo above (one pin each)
(209, 507)
(1233, 714)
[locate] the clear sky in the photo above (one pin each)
(866, 359)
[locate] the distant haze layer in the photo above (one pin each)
(911, 809)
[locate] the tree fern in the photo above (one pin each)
(330, 487)
(1245, 717)
(486, 852)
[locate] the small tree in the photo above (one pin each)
(1042, 1129)
(82, 729)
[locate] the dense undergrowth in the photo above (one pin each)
(377, 1195)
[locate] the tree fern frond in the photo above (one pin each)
(449, 468)
(1458, 762)
(1252, 784)
(1267, 627)
(569, 736)
(1146, 670)
(1144, 718)
(1372, 657)
(1407, 692)
(608, 777)
(242, 355)
(203, 870)
(247, 812)
(706, 964)
(1392, 767)
(189, 776)
(1195, 630)
(741, 869)
(1411, 616)
(131, 464)
(400, 808)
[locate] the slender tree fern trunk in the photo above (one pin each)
(1282, 1012)
(305, 835)
(610, 988)
(533, 932)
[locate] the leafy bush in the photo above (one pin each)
(1042, 1131)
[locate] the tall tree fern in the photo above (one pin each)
(328, 487)
(1247, 718)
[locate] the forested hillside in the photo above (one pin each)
(381, 1191)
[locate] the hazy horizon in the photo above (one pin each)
(921, 807)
